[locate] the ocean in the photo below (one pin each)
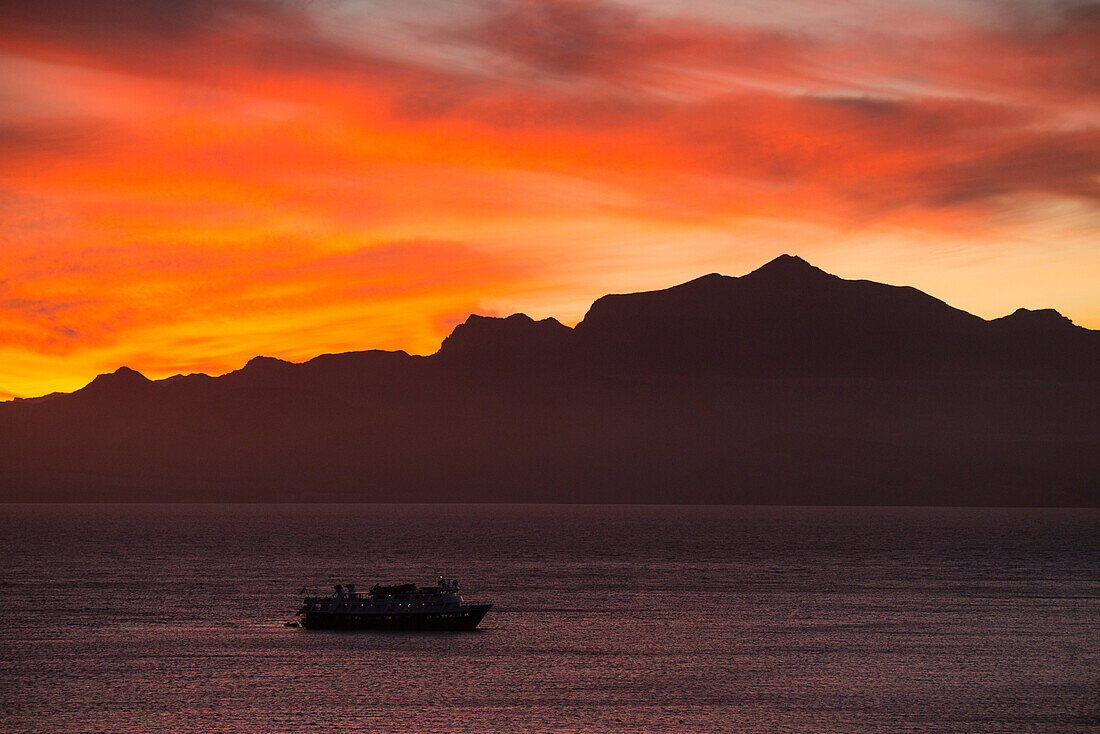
(169, 618)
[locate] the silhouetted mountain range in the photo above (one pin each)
(784, 386)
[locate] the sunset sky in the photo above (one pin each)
(184, 185)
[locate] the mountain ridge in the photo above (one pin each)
(784, 272)
(787, 385)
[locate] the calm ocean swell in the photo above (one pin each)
(139, 618)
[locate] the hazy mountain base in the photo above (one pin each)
(691, 440)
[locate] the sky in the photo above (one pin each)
(187, 184)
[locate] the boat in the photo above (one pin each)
(393, 607)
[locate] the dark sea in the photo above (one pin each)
(169, 618)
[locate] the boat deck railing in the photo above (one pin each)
(398, 600)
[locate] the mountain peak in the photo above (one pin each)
(515, 319)
(1041, 318)
(264, 368)
(787, 260)
(518, 333)
(129, 374)
(788, 267)
(123, 378)
(261, 362)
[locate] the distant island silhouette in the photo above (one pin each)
(787, 385)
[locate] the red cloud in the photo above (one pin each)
(606, 90)
(618, 44)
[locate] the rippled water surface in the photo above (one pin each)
(606, 619)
